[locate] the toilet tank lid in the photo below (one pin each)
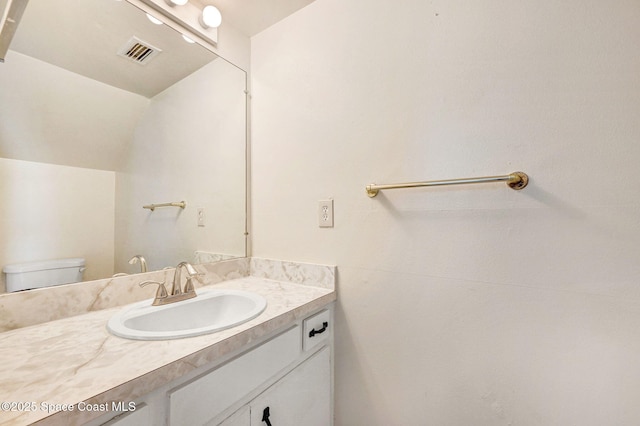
(43, 265)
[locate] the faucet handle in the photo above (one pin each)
(188, 286)
(161, 293)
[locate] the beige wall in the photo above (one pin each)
(51, 212)
(461, 305)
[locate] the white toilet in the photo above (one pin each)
(46, 273)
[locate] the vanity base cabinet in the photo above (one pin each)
(302, 397)
(286, 380)
(141, 417)
(206, 397)
(242, 417)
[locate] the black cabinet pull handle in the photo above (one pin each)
(322, 330)
(265, 416)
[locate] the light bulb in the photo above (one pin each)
(176, 2)
(211, 17)
(187, 39)
(154, 19)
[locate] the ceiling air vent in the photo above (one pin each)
(139, 51)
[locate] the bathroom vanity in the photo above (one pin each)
(285, 379)
(274, 369)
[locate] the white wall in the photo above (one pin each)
(189, 145)
(62, 136)
(462, 305)
(51, 115)
(52, 212)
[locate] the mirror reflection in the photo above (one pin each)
(89, 135)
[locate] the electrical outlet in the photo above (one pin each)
(200, 216)
(325, 213)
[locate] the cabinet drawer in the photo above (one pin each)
(206, 397)
(316, 329)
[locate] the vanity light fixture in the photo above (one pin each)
(10, 14)
(177, 2)
(154, 19)
(211, 17)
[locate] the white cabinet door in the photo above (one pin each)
(239, 418)
(203, 399)
(140, 417)
(302, 397)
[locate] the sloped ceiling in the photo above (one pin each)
(83, 36)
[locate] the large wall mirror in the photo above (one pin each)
(89, 135)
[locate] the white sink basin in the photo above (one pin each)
(212, 310)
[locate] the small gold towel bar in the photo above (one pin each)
(515, 180)
(152, 207)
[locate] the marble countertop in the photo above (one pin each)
(76, 359)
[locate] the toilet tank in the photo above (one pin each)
(45, 273)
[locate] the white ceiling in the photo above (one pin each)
(83, 36)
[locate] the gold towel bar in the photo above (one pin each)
(515, 180)
(152, 207)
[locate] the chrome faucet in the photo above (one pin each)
(143, 262)
(177, 293)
